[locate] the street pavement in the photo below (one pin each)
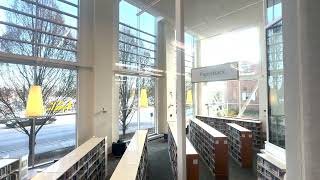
(60, 134)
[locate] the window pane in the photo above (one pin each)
(275, 85)
(133, 115)
(147, 23)
(44, 29)
(128, 105)
(147, 114)
(56, 130)
(137, 39)
(249, 93)
(128, 14)
(278, 11)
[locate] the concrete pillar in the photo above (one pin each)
(105, 56)
(98, 47)
(262, 76)
(167, 84)
(302, 87)
(181, 101)
(85, 75)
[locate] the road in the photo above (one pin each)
(51, 137)
(59, 134)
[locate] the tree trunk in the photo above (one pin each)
(123, 128)
(32, 143)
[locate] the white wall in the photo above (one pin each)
(97, 90)
(85, 75)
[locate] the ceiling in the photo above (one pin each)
(207, 18)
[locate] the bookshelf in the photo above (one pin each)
(192, 157)
(255, 126)
(240, 144)
(88, 161)
(133, 164)
(9, 169)
(269, 167)
(23, 167)
(212, 146)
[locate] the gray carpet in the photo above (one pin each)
(160, 167)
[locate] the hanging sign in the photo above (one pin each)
(222, 72)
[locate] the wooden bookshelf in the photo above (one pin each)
(88, 161)
(270, 168)
(134, 162)
(240, 144)
(255, 126)
(212, 146)
(9, 169)
(192, 157)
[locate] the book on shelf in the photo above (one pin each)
(192, 157)
(88, 161)
(220, 123)
(240, 144)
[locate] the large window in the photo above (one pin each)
(275, 85)
(137, 100)
(137, 54)
(45, 28)
(137, 39)
(32, 32)
(190, 53)
(274, 10)
(232, 98)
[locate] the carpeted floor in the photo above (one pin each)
(160, 167)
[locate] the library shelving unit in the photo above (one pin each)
(133, 165)
(240, 144)
(9, 169)
(192, 157)
(220, 124)
(269, 168)
(23, 167)
(212, 146)
(88, 161)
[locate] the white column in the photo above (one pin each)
(181, 119)
(105, 55)
(167, 63)
(262, 77)
(302, 88)
(85, 75)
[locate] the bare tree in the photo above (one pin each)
(47, 39)
(132, 56)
